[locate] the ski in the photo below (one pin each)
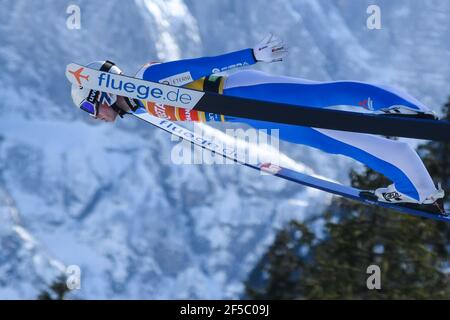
(281, 172)
(387, 125)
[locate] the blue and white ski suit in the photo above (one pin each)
(396, 160)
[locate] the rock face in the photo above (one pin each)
(107, 197)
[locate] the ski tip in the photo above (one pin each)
(369, 197)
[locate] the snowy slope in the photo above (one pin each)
(107, 198)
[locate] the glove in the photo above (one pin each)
(270, 49)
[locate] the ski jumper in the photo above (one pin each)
(396, 160)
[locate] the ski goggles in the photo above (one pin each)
(90, 104)
(89, 107)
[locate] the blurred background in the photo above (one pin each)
(107, 199)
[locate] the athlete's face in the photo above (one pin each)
(106, 113)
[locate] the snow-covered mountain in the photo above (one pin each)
(107, 197)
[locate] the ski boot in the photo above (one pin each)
(432, 204)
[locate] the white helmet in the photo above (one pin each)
(89, 99)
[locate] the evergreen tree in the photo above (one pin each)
(411, 252)
(56, 291)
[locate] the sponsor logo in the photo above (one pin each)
(157, 109)
(121, 87)
(108, 98)
(178, 79)
(92, 96)
(232, 66)
(187, 115)
(180, 114)
(366, 104)
(391, 196)
(78, 76)
(270, 168)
